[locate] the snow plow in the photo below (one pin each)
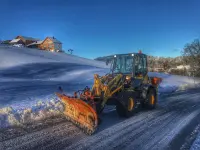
(127, 86)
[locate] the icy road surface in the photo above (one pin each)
(166, 127)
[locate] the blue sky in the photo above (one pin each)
(102, 27)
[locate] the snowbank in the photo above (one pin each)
(172, 83)
(40, 111)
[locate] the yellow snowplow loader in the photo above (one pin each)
(127, 86)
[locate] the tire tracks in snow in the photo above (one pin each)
(116, 132)
(99, 136)
(169, 136)
(154, 138)
(139, 130)
(31, 140)
(117, 138)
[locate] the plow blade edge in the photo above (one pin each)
(80, 113)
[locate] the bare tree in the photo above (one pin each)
(70, 51)
(191, 53)
(166, 65)
(151, 63)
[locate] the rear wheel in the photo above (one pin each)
(151, 99)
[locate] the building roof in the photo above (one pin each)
(30, 38)
(14, 40)
(35, 43)
(54, 40)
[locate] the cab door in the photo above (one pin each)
(140, 65)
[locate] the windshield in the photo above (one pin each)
(122, 64)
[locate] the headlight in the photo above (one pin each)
(128, 78)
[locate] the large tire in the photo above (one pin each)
(128, 107)
(121, 111)
(99, 108)
(151, 99)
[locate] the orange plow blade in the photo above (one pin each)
(80, 113)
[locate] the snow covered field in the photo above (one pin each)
(13, 56)
(29, 79)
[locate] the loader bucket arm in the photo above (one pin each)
(113, 85)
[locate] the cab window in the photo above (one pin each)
(140, 65)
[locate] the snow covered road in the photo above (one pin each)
(163, 128)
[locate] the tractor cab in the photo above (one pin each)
(134, 64)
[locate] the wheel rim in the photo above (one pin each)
(130, 104)
(152, 99)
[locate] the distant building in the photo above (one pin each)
(16, 41)
(24, 40)
(183, 66)
(35, 44)
(51, 44)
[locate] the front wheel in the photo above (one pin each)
(129, 107)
